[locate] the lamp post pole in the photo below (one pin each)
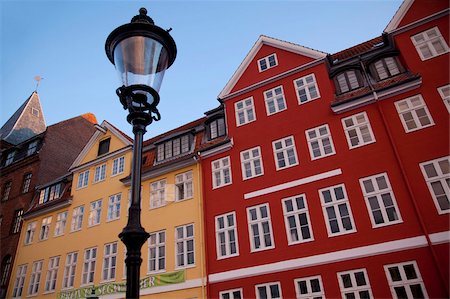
(141, 52)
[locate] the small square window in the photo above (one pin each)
(267, 62)
(103, 146)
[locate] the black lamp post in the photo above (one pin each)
(141, 52)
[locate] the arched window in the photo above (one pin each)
(386, 67)
(348, 80)
(6, 266)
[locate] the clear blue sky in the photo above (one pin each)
(63, 41)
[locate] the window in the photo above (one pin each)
(221, 172)
(83, 179)
(60, 225)
(69, 270)
(114, 207)
(103, 146)
(309, 287)
(157, 251)
(348, 80)
(319, 142)
(226, 236)
(231, 294)
(251, 163)
(306, 88)
(118, 166)
(17, 221)
(35, 278)
(285, 153)
(95, 213)
(100, 173)
(245, 111)
(386, 67)
(34, 111)
(414, 113)
(444, 92)
(32, 147)
(26, 182)
(380, 200)
(267, 62)
(158, 194)
(217, 128)
(436, 174)
(174, 147)
(29, 235)
(274, 100)
(336, 210)
(77, 218)
(6, 190)
(268, 291)
(358, 130)
(50, 193)
(6, 266)
(405, 280)
(183, 186)
(110, 261)
(52, 272)
(90, 256)
(45, 228)
(185, 246)
(355, 284)
(10, 158)
(20, 280)
(429, 43)
(296, 219)
(260, 228)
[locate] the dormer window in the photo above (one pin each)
(174, 147)
(348, 80)
(103, 146)
(50, 193)
(32, 148)
(10, 158)
(216, 128)
(386, 67)
(267, 62)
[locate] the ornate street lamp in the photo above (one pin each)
(141, 52)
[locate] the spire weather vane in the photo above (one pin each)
(38, 80)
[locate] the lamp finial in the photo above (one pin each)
(142, 17)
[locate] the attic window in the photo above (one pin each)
(50, 193)
(103, 146)
(35, 112)
(348, 80)
(267, 62)
(216, 128)
(174, 147)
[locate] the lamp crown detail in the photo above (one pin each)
(142, 17)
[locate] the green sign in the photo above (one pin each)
(121, 287)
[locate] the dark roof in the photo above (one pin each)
(358, 49)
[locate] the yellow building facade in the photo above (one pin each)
(69, 245)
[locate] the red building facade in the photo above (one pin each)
(333, 179)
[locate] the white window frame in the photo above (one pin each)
(157, 252)
(45, 228)
(354, 289)
(228, 231)
(95, 213)
(60, 224)
(307, 88)
(277, 99)
(310, 293)
(184, 188)
(358, 127)
(10, 158)
(404, 281)
(158, 194)
(114, 204)
(26, 182)
(295, 214)
(118, 166)
(109, 262)
(32, 146)
(231, 294)
(184, 240)
(250, 158)
(441, 178)
(335, 203)
(260, 221)
(29, 234)
(266, 60)
(70, 268)
(83, 179)
(100, 173)
(267, 287)
(445, 97)
(35, 278)
(377, 194)
(77, 219)
(52, 272)
(219, 169)
(412, 110)
(284, 150)
(428, 42)
(247, 111)
(19, 281)
(320, 138)
(88, 273)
